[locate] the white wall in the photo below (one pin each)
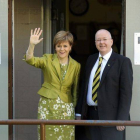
(132, 26)
(4, 67)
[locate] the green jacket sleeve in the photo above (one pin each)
(38, 62)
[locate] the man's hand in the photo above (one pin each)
(77, 117)
(120, 128)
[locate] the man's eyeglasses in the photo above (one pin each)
(104, 40)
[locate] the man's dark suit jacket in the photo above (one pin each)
(115, 90)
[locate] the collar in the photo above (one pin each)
(56, 58)
(107, 56)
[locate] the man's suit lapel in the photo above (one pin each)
(56, 64)
(108, 66)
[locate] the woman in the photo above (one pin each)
(58, 94)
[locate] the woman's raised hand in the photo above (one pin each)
(34, 38)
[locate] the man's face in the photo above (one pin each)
(103, 42)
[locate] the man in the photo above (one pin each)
(106, 90)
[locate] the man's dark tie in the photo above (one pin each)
(96, 81)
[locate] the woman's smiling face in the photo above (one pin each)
(63, 49)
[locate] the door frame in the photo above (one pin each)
(124, 26)
(10, 69)
(10, 56)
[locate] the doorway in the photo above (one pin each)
(88, 16)
(28, 15)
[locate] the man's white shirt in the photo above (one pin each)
(106, 57)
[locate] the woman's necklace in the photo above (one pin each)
(64, 64)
